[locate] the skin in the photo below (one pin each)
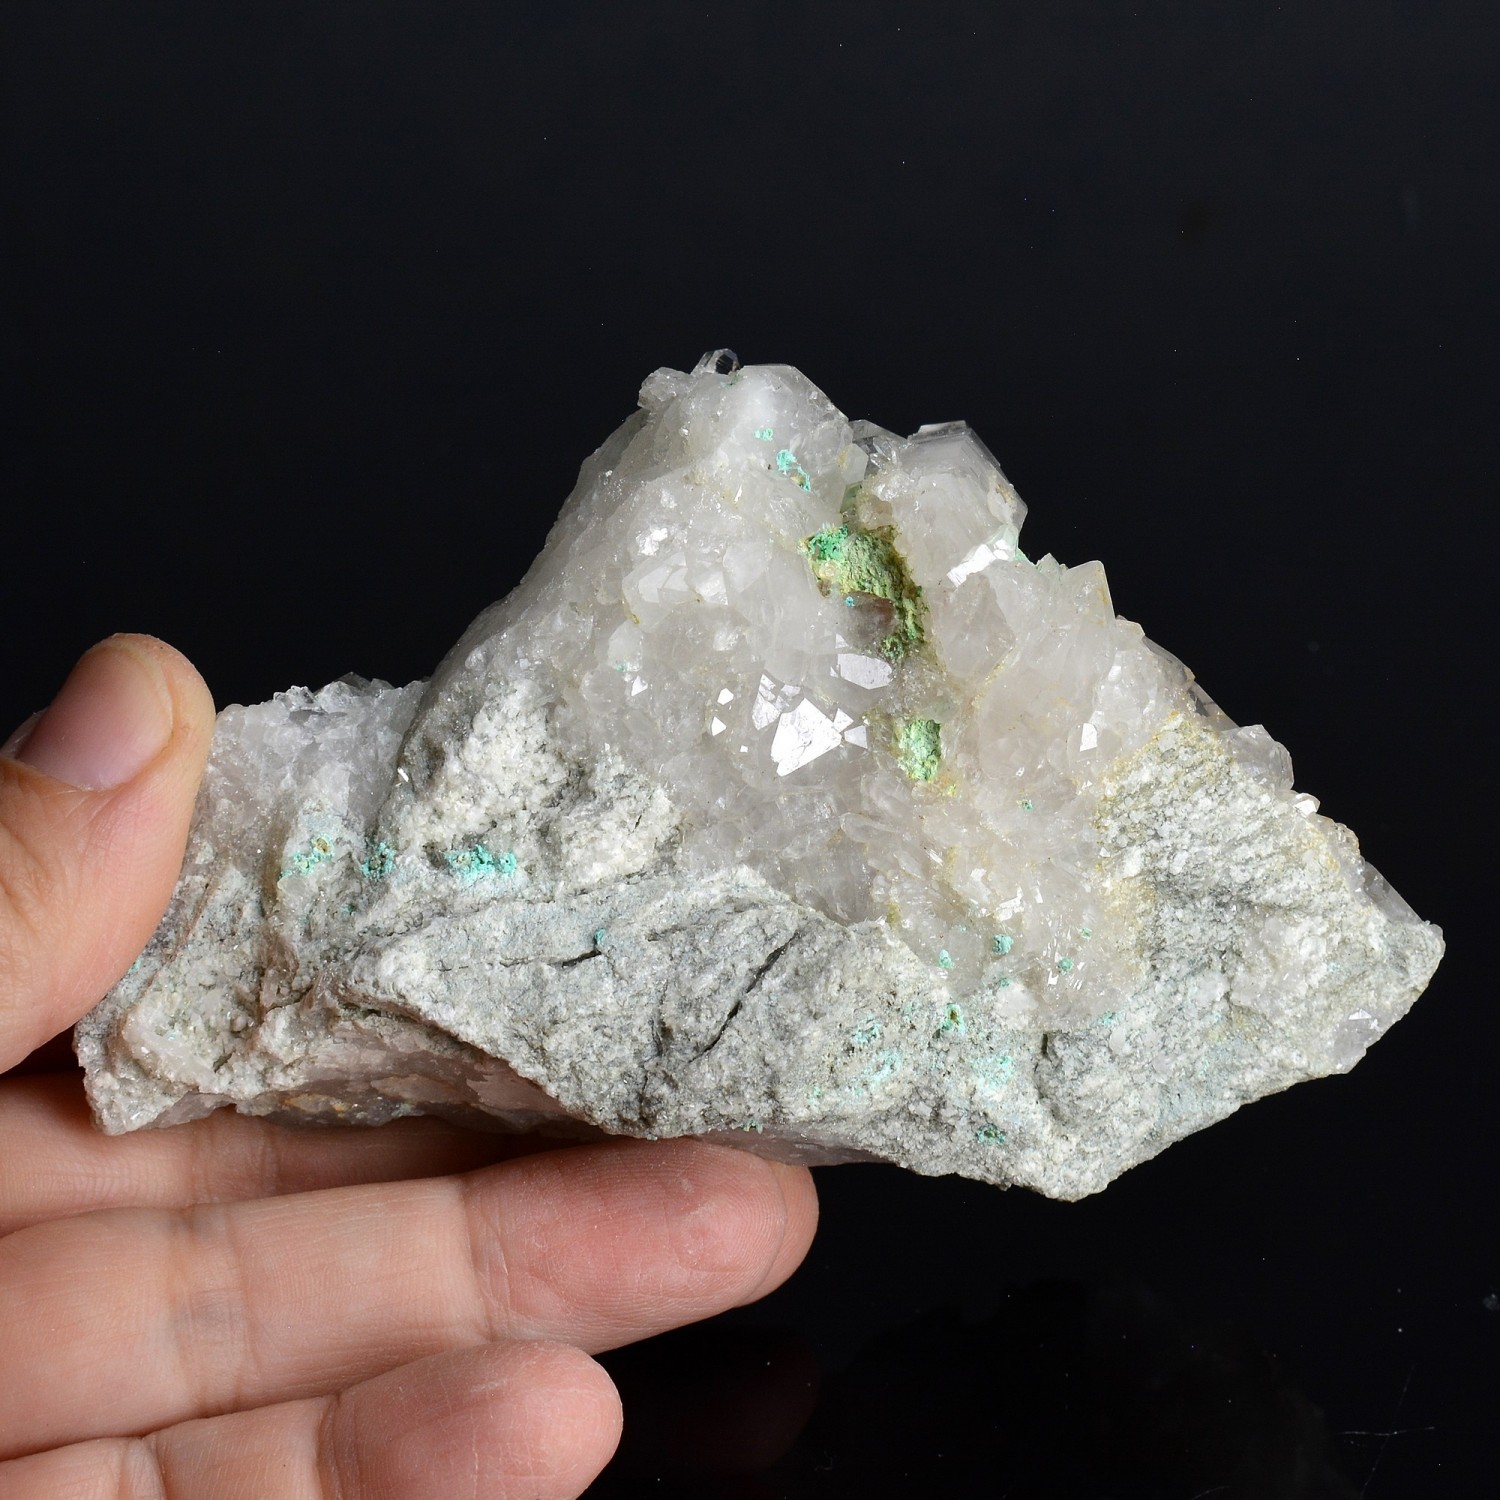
(232, 1309)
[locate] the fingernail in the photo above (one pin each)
(112, 718)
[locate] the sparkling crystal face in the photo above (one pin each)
(823, 641)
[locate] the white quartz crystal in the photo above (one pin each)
(785, 797)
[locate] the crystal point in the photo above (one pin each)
(785, 801)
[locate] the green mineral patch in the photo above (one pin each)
(952, 1021)
(885, 1067)
(849, 562)
(304, 861)
(786, 463)
(919, 748)
(477, 861)
(993, 1071)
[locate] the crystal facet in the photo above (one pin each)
(784, 797)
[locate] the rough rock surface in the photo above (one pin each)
(786, 801)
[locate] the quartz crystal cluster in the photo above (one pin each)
(786, 801)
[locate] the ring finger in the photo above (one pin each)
(521, 1419)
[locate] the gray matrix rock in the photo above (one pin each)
(786, 802)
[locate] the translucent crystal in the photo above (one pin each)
(785, 795)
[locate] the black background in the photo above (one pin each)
(311, 310)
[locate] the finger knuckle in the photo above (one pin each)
(490, 1264)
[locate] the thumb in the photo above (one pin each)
(96, 794)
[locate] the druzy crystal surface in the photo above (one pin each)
(785, 801)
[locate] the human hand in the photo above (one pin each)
(236, 1309)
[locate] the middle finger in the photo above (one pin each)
(129, 1320)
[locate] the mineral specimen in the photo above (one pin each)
(788, 802)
